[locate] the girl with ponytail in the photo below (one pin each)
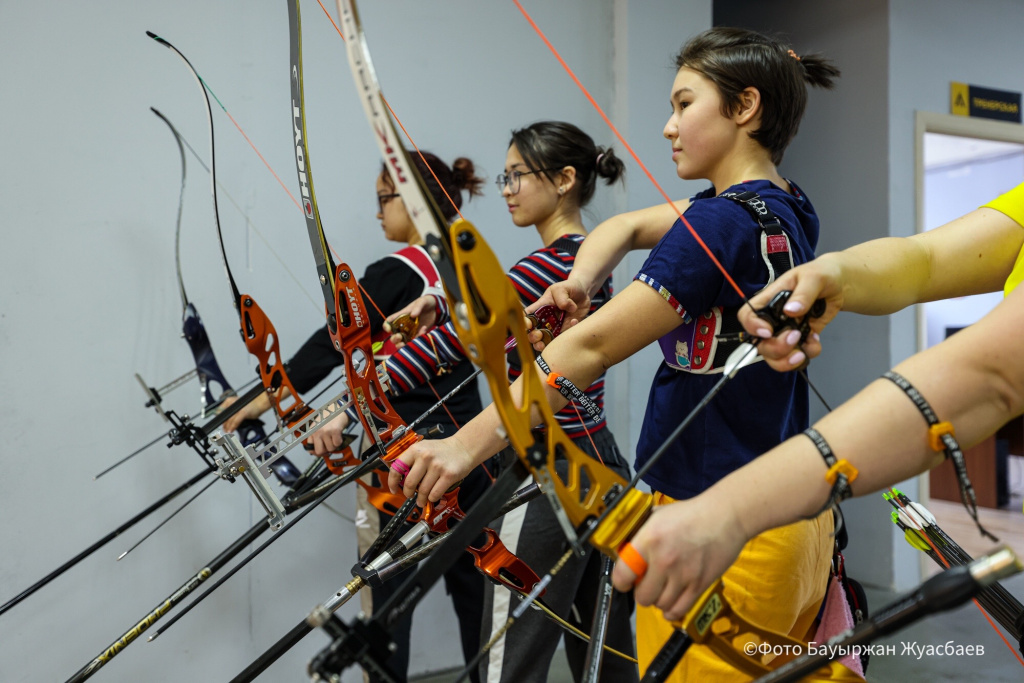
(737, 99)
(551, 171)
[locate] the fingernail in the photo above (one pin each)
(797, 358)
(763, 332)
(793, 307)
(815, 337)
(793, 337)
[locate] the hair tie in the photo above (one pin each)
(793, 55)
(599, 157)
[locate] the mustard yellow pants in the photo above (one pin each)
(777, 582)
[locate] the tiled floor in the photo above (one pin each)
(963, 626)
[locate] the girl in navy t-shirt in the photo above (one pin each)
(737, 100)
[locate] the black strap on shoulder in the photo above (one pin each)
(776, 254)
(775, 248)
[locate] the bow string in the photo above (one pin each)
(351, 332)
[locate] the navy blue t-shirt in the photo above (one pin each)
(759, 408)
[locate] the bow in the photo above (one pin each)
(427, 218)
(347, 318)
(207, 369)
(347, 321)
(608, 512)
(261, 340)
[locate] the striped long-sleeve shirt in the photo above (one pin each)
(420, 360)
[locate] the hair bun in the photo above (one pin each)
(464, 176)
(608, 165)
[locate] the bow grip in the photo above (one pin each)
(626, 518)
(404, 325)
(775, 316)
(339, 459)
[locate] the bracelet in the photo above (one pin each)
(942, 438)
(569, 390)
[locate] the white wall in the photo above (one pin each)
(925, 55)
(934, 43)
(951, 190)
(89, 185)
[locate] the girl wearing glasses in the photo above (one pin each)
(392, 283)
(551, 172)
(736, 102)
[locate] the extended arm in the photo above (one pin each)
(975, 380)
(581, 354)
(970, 255)
(603, 250)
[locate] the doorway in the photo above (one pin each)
(962, 164)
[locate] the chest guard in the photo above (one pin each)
(703, 342)
(417, 259)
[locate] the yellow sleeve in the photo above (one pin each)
(1012, 204)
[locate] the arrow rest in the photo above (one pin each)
(183, 430)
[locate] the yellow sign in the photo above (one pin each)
(986, 103)
(959, 94)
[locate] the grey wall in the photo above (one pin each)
(89, 187)
(840, 159)
(648, 35)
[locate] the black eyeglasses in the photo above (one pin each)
(512, 180)
(383, 199)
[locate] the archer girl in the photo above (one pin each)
(550, 175)
(391, 283)
(737, 100)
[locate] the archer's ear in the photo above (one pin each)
(567, 178)
(749, 105)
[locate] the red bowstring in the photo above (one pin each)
(276, 177)
(342, 35)
(941, 556)
(633, 154)
(366, 294)
(693, 232)
(279, 181)
(422, 158)
(399, 122)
